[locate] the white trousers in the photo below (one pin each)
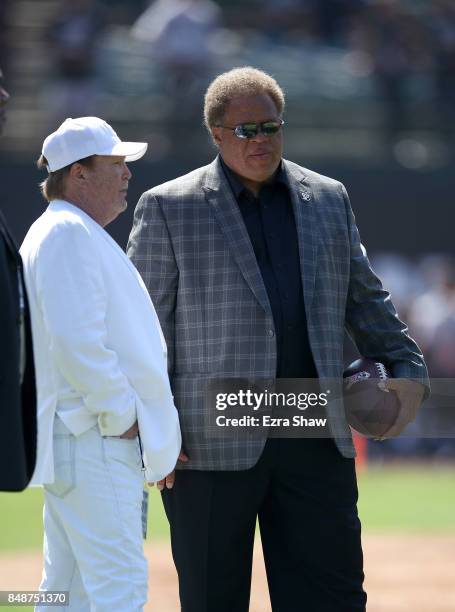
(92, 524)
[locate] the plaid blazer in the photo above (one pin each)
(191, 246)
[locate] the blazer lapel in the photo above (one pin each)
(303, 204)
(221, 200)
(100, 231)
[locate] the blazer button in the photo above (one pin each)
(271, 333)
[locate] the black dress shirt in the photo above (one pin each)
(269, 220)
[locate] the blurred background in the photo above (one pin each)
(370, 90)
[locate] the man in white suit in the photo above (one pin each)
(101, 374)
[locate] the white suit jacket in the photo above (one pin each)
(99, 350)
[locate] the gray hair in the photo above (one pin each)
(246, 81)
(53, 187)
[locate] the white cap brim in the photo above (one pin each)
(131, 151)
(83, 137)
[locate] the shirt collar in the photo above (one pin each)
(236, 184)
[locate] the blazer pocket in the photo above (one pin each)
(64, 465)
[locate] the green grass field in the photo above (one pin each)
(21, 519)
(405, 499)
(408, 499)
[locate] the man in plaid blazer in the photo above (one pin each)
(255, 268)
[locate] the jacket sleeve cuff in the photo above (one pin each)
(112, 424)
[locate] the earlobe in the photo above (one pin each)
(216, 137)
(77, 171)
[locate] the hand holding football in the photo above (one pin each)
(370, 410)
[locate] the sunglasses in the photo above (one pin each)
(251, 130)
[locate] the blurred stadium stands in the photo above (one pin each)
(364, 79)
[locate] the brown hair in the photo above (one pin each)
(53, 187)
(246, 81)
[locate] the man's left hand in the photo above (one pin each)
(168, 482)
(410, 395)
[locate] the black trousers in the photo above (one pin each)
(304, 494)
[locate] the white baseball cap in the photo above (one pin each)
(78, 138)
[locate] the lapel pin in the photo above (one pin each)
(306, 195)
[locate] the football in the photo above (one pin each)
(370, 410)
